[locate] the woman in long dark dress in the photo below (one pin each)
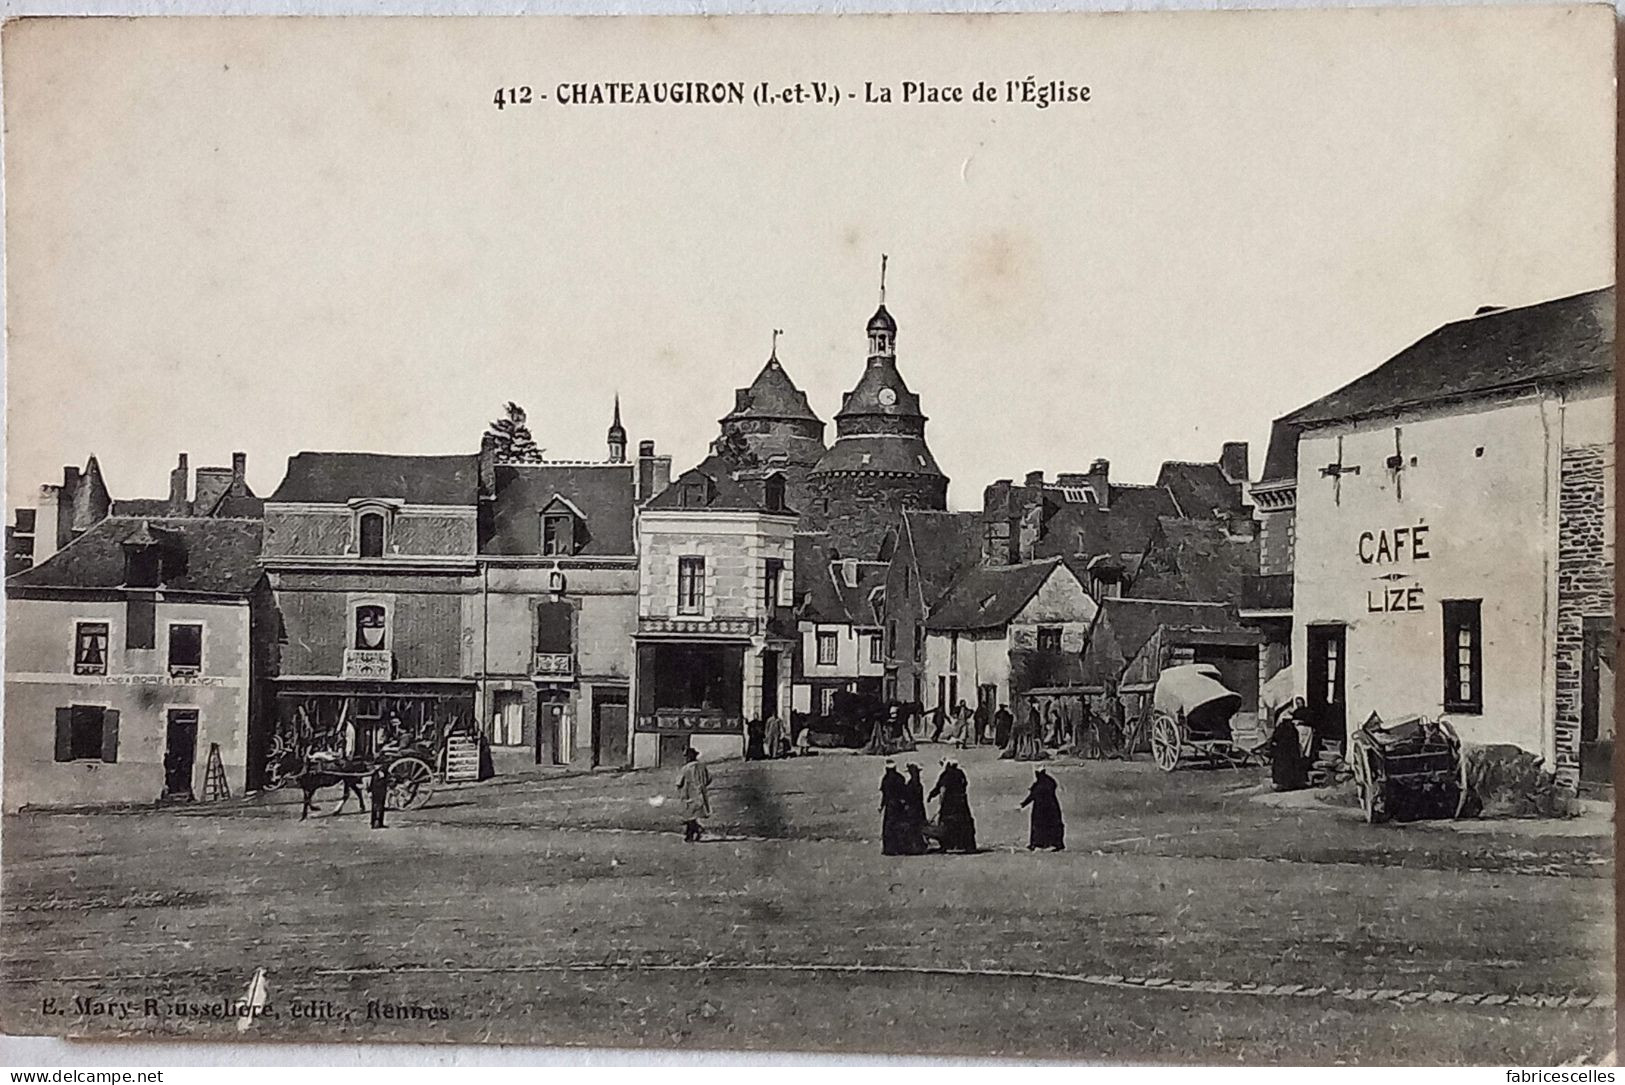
(914, 792)
(1288, 768)
(1048, 830)
(895, 827)
(955, 826)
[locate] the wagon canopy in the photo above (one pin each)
(1193, 691)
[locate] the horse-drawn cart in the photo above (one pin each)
(1191, 711)
(1407, 770)
(313, 757)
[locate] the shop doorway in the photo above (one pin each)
(180, 754)
(1328, 651)
(609, 738)
(1597, 702)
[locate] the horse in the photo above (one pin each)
(316, 774)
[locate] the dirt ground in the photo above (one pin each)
(1186, 921)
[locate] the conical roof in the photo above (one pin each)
(870, 395)
(882, 321)
(772, 395)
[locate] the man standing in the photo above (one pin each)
(378, 790)
(694, 789)
(1002, 722)
(939, 717)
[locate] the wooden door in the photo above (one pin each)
(609, 735)
(180, 753)
(1328, 650)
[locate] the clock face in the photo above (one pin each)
(887, 397)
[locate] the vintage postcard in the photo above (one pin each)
(1045, 537)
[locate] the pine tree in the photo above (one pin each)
(511, 437)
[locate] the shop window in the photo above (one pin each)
(826, 702)
(691, 585)
(185, 649)
(877, 649)
(828, 649)
(90, 648)
(371, 627)
(1463, 656)
(86, 733)
(370, 532)
(1049, 639)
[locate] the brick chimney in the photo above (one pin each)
(1099, 479)
(1233, 461)
(178, 487)
(654, 472)
(1034, 479)
(239, 471)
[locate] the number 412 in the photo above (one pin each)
(506, 96)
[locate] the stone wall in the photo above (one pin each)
(1585, 587)
(857, 510)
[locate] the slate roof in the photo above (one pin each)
(1505, 348)
(141, 506)
(1196, 560)
(1281, 459)
(991, 595)
(338, 477)
(726, 493)
(1120, 531)
(890, 455)
(772, 395)
(1200, 489)
(1124, 625)
(864, 398)
(945, 545)
(601, 495)
(823, 596)
(222, 555)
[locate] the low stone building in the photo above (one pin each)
(1454, 534)
(131, 654)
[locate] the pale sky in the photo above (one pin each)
(282, 235)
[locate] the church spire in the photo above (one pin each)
(882, 328)
(617, 435)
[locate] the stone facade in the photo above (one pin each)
(1585, 586)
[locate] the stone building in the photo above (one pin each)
(927, 553)
(131, 653)
(1454, 534)
(772, 429)
(716, 628)
(879, 464)
(374, 564)
(840, 611)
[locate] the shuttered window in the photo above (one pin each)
(86, 733)
(1463, 656)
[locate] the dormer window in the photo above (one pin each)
(558, 534)
(370, 533)
(695, 494)
(773, 493)
(143, 567)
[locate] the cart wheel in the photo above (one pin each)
(411, 782)
(1371, 801)
(1165, 744)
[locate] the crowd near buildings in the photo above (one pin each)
(1434, 538)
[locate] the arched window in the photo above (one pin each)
(371, 625)
(371, 530)
(773, 491)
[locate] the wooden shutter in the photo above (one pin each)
(64, 734)
(110, 735)
(140, 622)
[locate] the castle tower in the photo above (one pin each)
(617, 436)
(772, 428)
(879, 463)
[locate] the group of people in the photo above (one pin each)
(906, 830)
(770, 739)
(966, 727)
